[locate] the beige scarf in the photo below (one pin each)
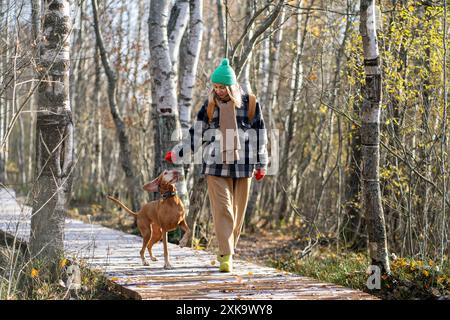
(230, 143)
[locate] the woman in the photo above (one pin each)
(229, 173)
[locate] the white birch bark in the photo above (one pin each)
(4, 104)
(191, 54)
(263, 75)
(51, 192)
(245, 75)
(35, 30)
(98, 150)
(295, 86)
(178, 22)
(370, 138)
(2, 110)
(165, 97)
(274, 72)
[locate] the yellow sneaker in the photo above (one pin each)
(226, 263)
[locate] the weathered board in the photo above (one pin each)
(195, 274)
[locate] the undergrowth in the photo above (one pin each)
(409, 279)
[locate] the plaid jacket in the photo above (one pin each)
(253, 153)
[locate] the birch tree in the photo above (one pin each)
(54, 132)
(295, 86)
(2, 113)
(177, 25)
(274, 72)
(4, 103)
(245, 75)
(190, 54)
(370, 138)
(190, 57)
(164, 95)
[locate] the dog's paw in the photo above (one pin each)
(145, 262)
(168, 266)
(154, 259)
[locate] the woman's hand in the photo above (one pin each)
(259, 174)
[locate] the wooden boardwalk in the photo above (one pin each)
(194, 276)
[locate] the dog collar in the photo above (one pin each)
(168, 194)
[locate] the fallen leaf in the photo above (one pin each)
(34, 273)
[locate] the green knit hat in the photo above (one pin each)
(224, 74)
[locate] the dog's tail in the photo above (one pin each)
(122, 205)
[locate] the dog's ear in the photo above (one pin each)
(153, 185)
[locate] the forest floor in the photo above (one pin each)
(284, 249)
(20, 281)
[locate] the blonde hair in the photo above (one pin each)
(234, 91)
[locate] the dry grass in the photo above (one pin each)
(21, 279)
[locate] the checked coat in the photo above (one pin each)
(205, 139)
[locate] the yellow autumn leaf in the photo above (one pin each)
(312, 76)
(315, 30)
(323, 109)
(63, 263)
(114, 279)
(425, 273)
(250, 273)
(34, 273)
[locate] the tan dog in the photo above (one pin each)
(158, 217)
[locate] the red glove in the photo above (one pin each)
(170, 156)
(260, 173)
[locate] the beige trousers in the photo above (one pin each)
(228, 198)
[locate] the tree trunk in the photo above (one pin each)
(36, 33)
(3, 123)
(274, 73)
(4, 104)
(239, 61)
(191, 54)
(296, 83)
(54, 154)
(370, 138)
(221, 11)
(190, 58)
(164, 95)
(245, 75)
(98, 144)
(197, 199)
(134, 185)
(179, 17)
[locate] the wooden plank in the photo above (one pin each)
(195, 274)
